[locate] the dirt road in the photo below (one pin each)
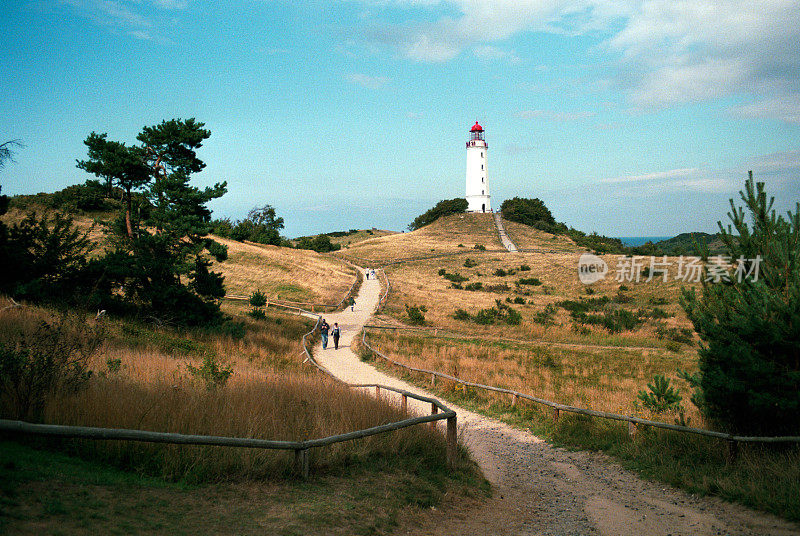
(542, 490)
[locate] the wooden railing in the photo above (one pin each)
(633, 422)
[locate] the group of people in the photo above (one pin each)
(370, 273)
(325, 330)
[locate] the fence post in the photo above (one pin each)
(378, 392)
(434, 411)
(433, 379)
(555, 415)
(514, 401)
(452, 442)
(404, 404)
(301, 462)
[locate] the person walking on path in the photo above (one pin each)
(336, 333)
(352, 303)
(323, 330)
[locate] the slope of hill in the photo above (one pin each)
(451, 234)
(684, 244)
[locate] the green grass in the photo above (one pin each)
(46, 492)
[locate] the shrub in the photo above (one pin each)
(469, 263)
(533, 281)
(442, 271)
(661, 396)
(519, 300)
(416, 315)
(211, 372)
(477, 285)
(258, 299)
(532, 212)
(658, 301)
(455, 278)
(500, 272)
(546, 317)
(442, 208)
(678, 335)
(39, 358)
(480, 247)
(257, 313)
(461, 314)
(524, 268)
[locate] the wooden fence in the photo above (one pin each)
(301, 448)
(633, 422)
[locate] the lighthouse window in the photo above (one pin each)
(481, 154)
(481, 166)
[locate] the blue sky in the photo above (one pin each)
(625, 118)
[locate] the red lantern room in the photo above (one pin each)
(476, 132)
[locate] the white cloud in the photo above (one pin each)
(363, 80)
(668, 51)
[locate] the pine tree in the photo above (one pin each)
(749, 380)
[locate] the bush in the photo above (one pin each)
(211, 372)
(477, 285)
(455, 278)
(530, 212)
(480, 247)
(469, 263)
(416, 315)
(40, 358)
(524, 268)
(533, 281)
(500, 272)
(442, 208)
(258, 299)
(320, 243)
(546, 317)
(461, 314)
(661, 396)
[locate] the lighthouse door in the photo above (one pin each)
(483, 207)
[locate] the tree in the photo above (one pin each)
(532, 212)
(7, 151)
(261, 225)
(442, 208)
(163, 266)
(118, 164)
(749, 379)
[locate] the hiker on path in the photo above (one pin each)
(367, 274)
(352, 303)
(323, 329)
(336, 332)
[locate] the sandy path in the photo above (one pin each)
(544, 490)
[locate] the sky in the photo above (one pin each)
(628, 118)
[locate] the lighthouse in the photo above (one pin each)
(477, 184)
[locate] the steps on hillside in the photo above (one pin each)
(507, 243)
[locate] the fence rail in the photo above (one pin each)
(556, 407)
(301, 448)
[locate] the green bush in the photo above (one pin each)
(258, 299)
(211, 372)
(524, 268)
(442, 208)
(477, 285)
(469, 263)
(416, 315)
(660, 396)
(532, 281)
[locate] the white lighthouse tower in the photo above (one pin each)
(477, 185)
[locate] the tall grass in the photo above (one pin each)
(141, 381)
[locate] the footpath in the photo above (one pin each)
(543, 490)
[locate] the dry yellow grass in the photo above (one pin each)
(445, 235)
(141, 380)
(526, 237)
(419, 283)
(594, 378)
(284, 273)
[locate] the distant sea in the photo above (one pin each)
(633, 241)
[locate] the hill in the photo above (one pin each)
(684, 244)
